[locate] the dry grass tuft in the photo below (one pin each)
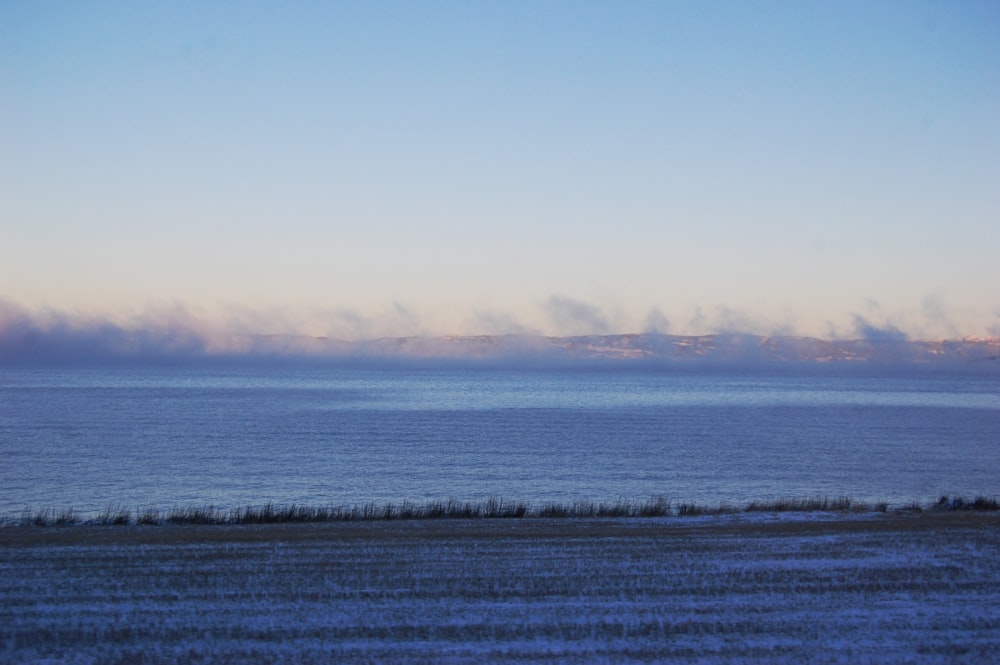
(491, 508)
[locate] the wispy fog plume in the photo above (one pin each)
(406, 318)
(936, 316)
(492, 322)
(657, 322)
(865, 329)
(730, 321)
(734, 321)
(396, 320)
(575, 317)
(698, 324)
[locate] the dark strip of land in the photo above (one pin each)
(528, 529)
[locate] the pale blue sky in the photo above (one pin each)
(375, 168)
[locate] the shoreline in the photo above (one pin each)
(528, 529)
(491, 508)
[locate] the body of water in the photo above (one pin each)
(89, 439)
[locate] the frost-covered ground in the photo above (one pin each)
(849, 589)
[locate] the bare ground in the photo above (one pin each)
(791, 588)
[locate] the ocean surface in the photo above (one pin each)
(90, 439)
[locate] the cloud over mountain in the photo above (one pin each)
(173, 334)
(572, 316)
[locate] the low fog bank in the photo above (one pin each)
(30, 339)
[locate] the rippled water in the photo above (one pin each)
(90, 439)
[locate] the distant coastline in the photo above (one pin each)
(28, 346)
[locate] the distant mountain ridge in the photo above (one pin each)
(33, 345)
(651, 347)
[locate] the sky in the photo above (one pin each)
(367, 169)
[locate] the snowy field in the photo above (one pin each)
(743, 589)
